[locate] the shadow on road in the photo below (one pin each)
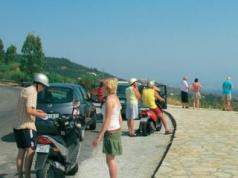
(8, 138)
(7, 175)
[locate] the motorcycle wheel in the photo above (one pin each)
(145, 130)
(159, 125)
(49, 171)
(74, 170)
(151, 126)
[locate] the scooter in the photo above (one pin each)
(149, 122)
(57, 153)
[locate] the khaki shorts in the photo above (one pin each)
(197, 96)
(227, 97)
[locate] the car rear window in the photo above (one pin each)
(55, 94)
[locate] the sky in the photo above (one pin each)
(161, 40)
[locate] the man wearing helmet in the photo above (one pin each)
(25, 128)
(149, 96)
(132, 97)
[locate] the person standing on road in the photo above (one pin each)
(227, 87)
(149, 96)
(132, 97)
(100, 92)
(25, 129)
(184, 92)
(196, 88)
(111, 128)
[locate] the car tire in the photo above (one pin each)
(82, 135)
(99, 116)
(93, 125)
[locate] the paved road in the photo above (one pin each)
(140, 158)
(205, 146)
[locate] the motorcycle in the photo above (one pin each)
(149, 122)
(57, 151)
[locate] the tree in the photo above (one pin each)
(11, 54)
(1, 51)
(34, 59)
(88, 81)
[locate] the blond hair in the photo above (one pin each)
(110, 85)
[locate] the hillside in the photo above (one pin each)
(67, 68)
(58, 70)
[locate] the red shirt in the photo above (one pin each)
(100, 94)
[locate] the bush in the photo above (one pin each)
(14, 67)
(88, 82)
(4, 68)
(18, 76)
(53, 78)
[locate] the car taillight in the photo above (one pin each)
(44, 140)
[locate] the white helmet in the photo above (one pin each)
(41, 78)
(132, 80)
(150, 83)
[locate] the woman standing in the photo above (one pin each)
(132, 97)
(111, 128)
(196, 88)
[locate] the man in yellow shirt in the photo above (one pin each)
(149, 96)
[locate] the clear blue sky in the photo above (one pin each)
(155, 39)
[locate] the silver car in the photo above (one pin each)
(58, 98)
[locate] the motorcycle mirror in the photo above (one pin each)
(76, 104)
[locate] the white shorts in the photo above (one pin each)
(132, 110)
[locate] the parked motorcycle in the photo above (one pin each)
(149, 122)
(57, 151)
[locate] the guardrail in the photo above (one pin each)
(8, 82)
(14, 83)
(25, 84)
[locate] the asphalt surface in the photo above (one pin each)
(141, 155)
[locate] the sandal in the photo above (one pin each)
(167, 132)
(132, 135)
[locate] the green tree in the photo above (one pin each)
(33, 56)
(88, 81)
(11, 54)
(1, 51)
